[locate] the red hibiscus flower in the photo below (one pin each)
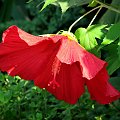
(57, 63)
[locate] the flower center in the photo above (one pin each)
(55, 70)
(70, 35)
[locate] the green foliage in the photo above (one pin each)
(93, 3)
(112, 58)
(41, 23)
(112, 34)
(65, 4)
(27, 102)
(111, 39)
(87, 37)
(111, 17)
(48, 2)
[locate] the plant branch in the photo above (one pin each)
(82, 17)
(108, 6)
(101, 5)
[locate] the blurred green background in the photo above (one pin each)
(21, 100)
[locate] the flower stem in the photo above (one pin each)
(101, 5)
(95, 16)
(82, 17)
(108, 6)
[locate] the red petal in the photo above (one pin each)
(70, 51)
(90, 65)
(18, 58)
(101, 90)
(28, 63)
(45, 76)
(14, 33)
(71, 84)
(15, 39)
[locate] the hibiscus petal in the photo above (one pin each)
(70, 52)
(45, 76)
(14, 33)
(101, 90)
(71, 83)
(25, 57)
(15, 39)
(90, 64)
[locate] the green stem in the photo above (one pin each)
(101, 5)
(95, 16)
(82, 17)
(108, 6)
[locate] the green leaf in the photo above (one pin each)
(93, 3)
(1, 77)
(115, 81)
(1, 96)
(113, 64)
(113, 59)
(65, 4)
(39, 116)
(97, 30)
(112, 34)
(47, 2)
(7, 96)
(87, 37)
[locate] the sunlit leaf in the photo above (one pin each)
(93, 3)
(65, 4)
(48, 2)
(96, 30)
(87, 37)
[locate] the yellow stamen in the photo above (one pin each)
(70, 35)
